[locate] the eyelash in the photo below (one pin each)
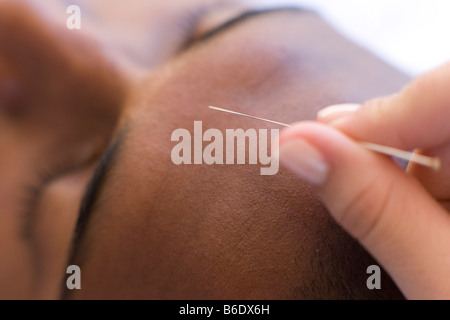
(189, 21)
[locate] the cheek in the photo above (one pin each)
(17, 279)
(58, 212)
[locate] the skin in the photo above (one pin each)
(51, 111)
(161, 230)
(402, 219)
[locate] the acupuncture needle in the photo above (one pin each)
(434, 163)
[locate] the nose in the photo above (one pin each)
(9, 91)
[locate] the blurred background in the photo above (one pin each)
(409, 34)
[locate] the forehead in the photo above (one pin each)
(180, 91)
(152, 206)
(241, 59)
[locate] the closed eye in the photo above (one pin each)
(228, 25)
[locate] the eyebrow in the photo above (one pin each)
(95, 187)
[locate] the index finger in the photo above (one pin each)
(417, 117)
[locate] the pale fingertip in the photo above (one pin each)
(337, 111)
(304, 160)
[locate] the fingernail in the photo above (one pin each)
(304, 160)
(336, 111)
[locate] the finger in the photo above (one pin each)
(417, 117)
(377, 203)
(437, 183)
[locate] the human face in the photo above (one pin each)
(151, 229)
(61, 93)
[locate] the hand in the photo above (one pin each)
(401, 219)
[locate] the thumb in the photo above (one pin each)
(416, 117)
(372, 198)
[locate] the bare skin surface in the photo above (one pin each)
(160, 230)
